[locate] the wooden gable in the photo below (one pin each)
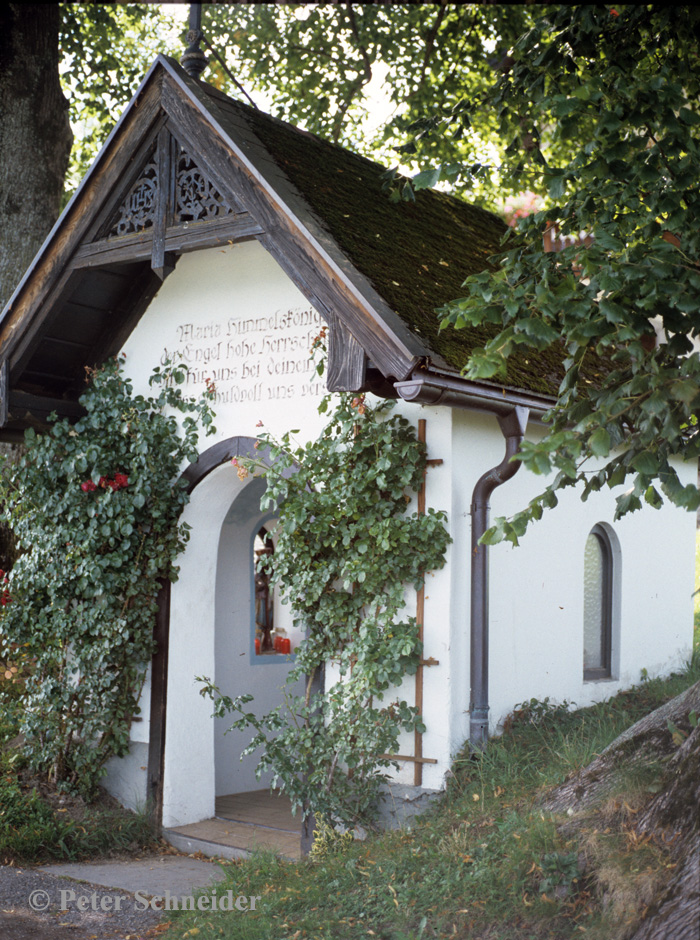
(177, 174)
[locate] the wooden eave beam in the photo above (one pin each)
(120, 320)
(132, 309)
(179, 239)
(23, 404)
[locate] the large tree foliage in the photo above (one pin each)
(105, 50)
(624, 84)
(315, 63)
(593, 107)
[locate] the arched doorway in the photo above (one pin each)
(247, 611)
(211, 634)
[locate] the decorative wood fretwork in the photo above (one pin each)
(196, 196)
(192, 195)
(137, 212)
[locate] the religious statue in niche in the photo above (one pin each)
(268, 639)
(264, 614)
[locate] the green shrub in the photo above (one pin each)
(96, 509)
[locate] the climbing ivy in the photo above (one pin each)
(95, 507)
(348, 545)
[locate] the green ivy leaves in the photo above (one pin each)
(348, 548)
(96, 509)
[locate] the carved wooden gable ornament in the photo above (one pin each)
(195, 197)
(187, 168)
(176, 174)
(169, 193)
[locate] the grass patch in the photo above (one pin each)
(33, 830)
(696, 619)
(38, 823)
(487, 862)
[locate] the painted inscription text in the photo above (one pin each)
(252, 359)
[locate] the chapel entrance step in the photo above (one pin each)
(243, 822)
(259, 808)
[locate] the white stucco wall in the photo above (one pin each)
(536, 595)
(236, 318)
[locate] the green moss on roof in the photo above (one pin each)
(416, 255)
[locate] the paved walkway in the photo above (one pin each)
(115, 900)
(152, 876)
(109, 900)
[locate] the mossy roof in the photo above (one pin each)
(415, 254)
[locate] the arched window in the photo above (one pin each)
(270, 635)
(597, 605)
(264, 608)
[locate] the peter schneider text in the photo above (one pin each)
(212, 901)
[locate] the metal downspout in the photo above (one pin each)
(512, 409)
(513, 425)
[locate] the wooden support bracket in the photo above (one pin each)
(346, 367)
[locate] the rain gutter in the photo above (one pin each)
(512, 410)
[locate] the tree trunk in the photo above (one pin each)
(649, 737)
(670, 738)
(35, 135)
(675, 811)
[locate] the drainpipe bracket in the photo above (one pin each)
(514, 422)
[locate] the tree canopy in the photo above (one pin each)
(623, 85)
(321, 65)
(105, 49)
(592, 108)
